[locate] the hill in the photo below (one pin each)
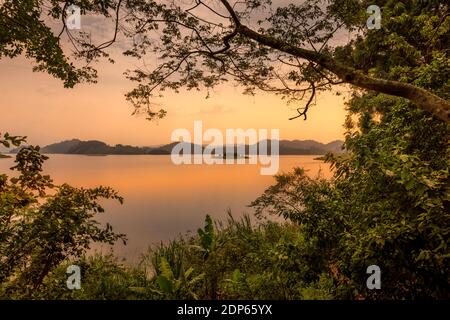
(91, 147)
(95, 147)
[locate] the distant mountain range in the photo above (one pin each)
(94, 147)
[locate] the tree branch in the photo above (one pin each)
(424, 99)
(305, 108)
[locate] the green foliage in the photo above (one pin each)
(176, 288)
(42, 225)
(8, 141)
(24, 30)
(102, 278)
(264, 261)
(387, 204)
(207, 236)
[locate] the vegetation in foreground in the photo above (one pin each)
(387, 204)
(231, 261)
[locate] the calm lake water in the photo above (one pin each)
(163, 200)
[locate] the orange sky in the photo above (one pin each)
(36, 105)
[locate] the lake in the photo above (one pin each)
(163, 200)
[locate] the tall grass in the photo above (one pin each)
(234, 259)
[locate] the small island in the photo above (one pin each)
(232, 156)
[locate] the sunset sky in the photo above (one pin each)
(37, 105)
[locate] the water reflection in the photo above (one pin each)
(163, 200)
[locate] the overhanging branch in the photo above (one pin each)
(422, 98)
